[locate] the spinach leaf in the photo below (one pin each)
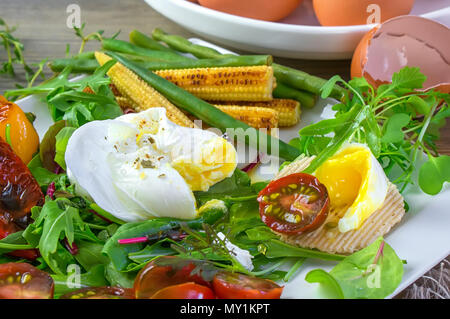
(118, 253)
(373, 272)
(95, 277)
(90, 254)
(119, 278)
(61, 140)
(237, 185)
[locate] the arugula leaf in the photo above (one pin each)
(373, 272)
(14, 239)
(58, 221)
(68, 100)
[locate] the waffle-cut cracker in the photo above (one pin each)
(329, 239)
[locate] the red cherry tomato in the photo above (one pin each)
(294, 204)
(189, 290)
(23, 281)
(166, 271)
(238, 286)
(100, 293)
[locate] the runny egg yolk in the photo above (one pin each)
(356, 184)
(214, 162)
(342, 180)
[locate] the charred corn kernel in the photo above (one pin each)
(288, 110)
(125, 103)
(246, 83)
(141, 94)
(257, 117)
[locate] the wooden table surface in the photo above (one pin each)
(43, 30)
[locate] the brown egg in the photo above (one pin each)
(354, 12)
(405, 41)
(269, 10)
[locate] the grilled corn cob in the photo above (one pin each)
(257, 117)
(246, 83)
(141, 95)
(288, 110)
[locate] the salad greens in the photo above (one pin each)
(77, 102)
(373, 272)
(397, 122)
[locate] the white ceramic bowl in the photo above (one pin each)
(297, 36)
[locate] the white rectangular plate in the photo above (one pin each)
(422, 238)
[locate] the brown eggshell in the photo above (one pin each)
(269, 10)
(405, 41)
(356, 12)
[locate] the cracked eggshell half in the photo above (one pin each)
(405, 41)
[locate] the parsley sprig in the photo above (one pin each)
(398, 122)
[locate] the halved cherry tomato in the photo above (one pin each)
(294, 204)
(228, 285)
(100, 293)
(19, 193)
(189, 290)
(24, 139)
(167, 271)
(24, 281)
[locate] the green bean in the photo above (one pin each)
(305, 98)
(218, 60)
(144, 41)
(145, 54)
(78, 65)
(232, 61)
(294, 78)
(181, 44)
(86, 55)
(304, 81)
(208, 113)
(90, 65)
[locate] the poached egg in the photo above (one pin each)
(139, 166)
(356, 183)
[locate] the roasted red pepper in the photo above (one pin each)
(19, 192)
